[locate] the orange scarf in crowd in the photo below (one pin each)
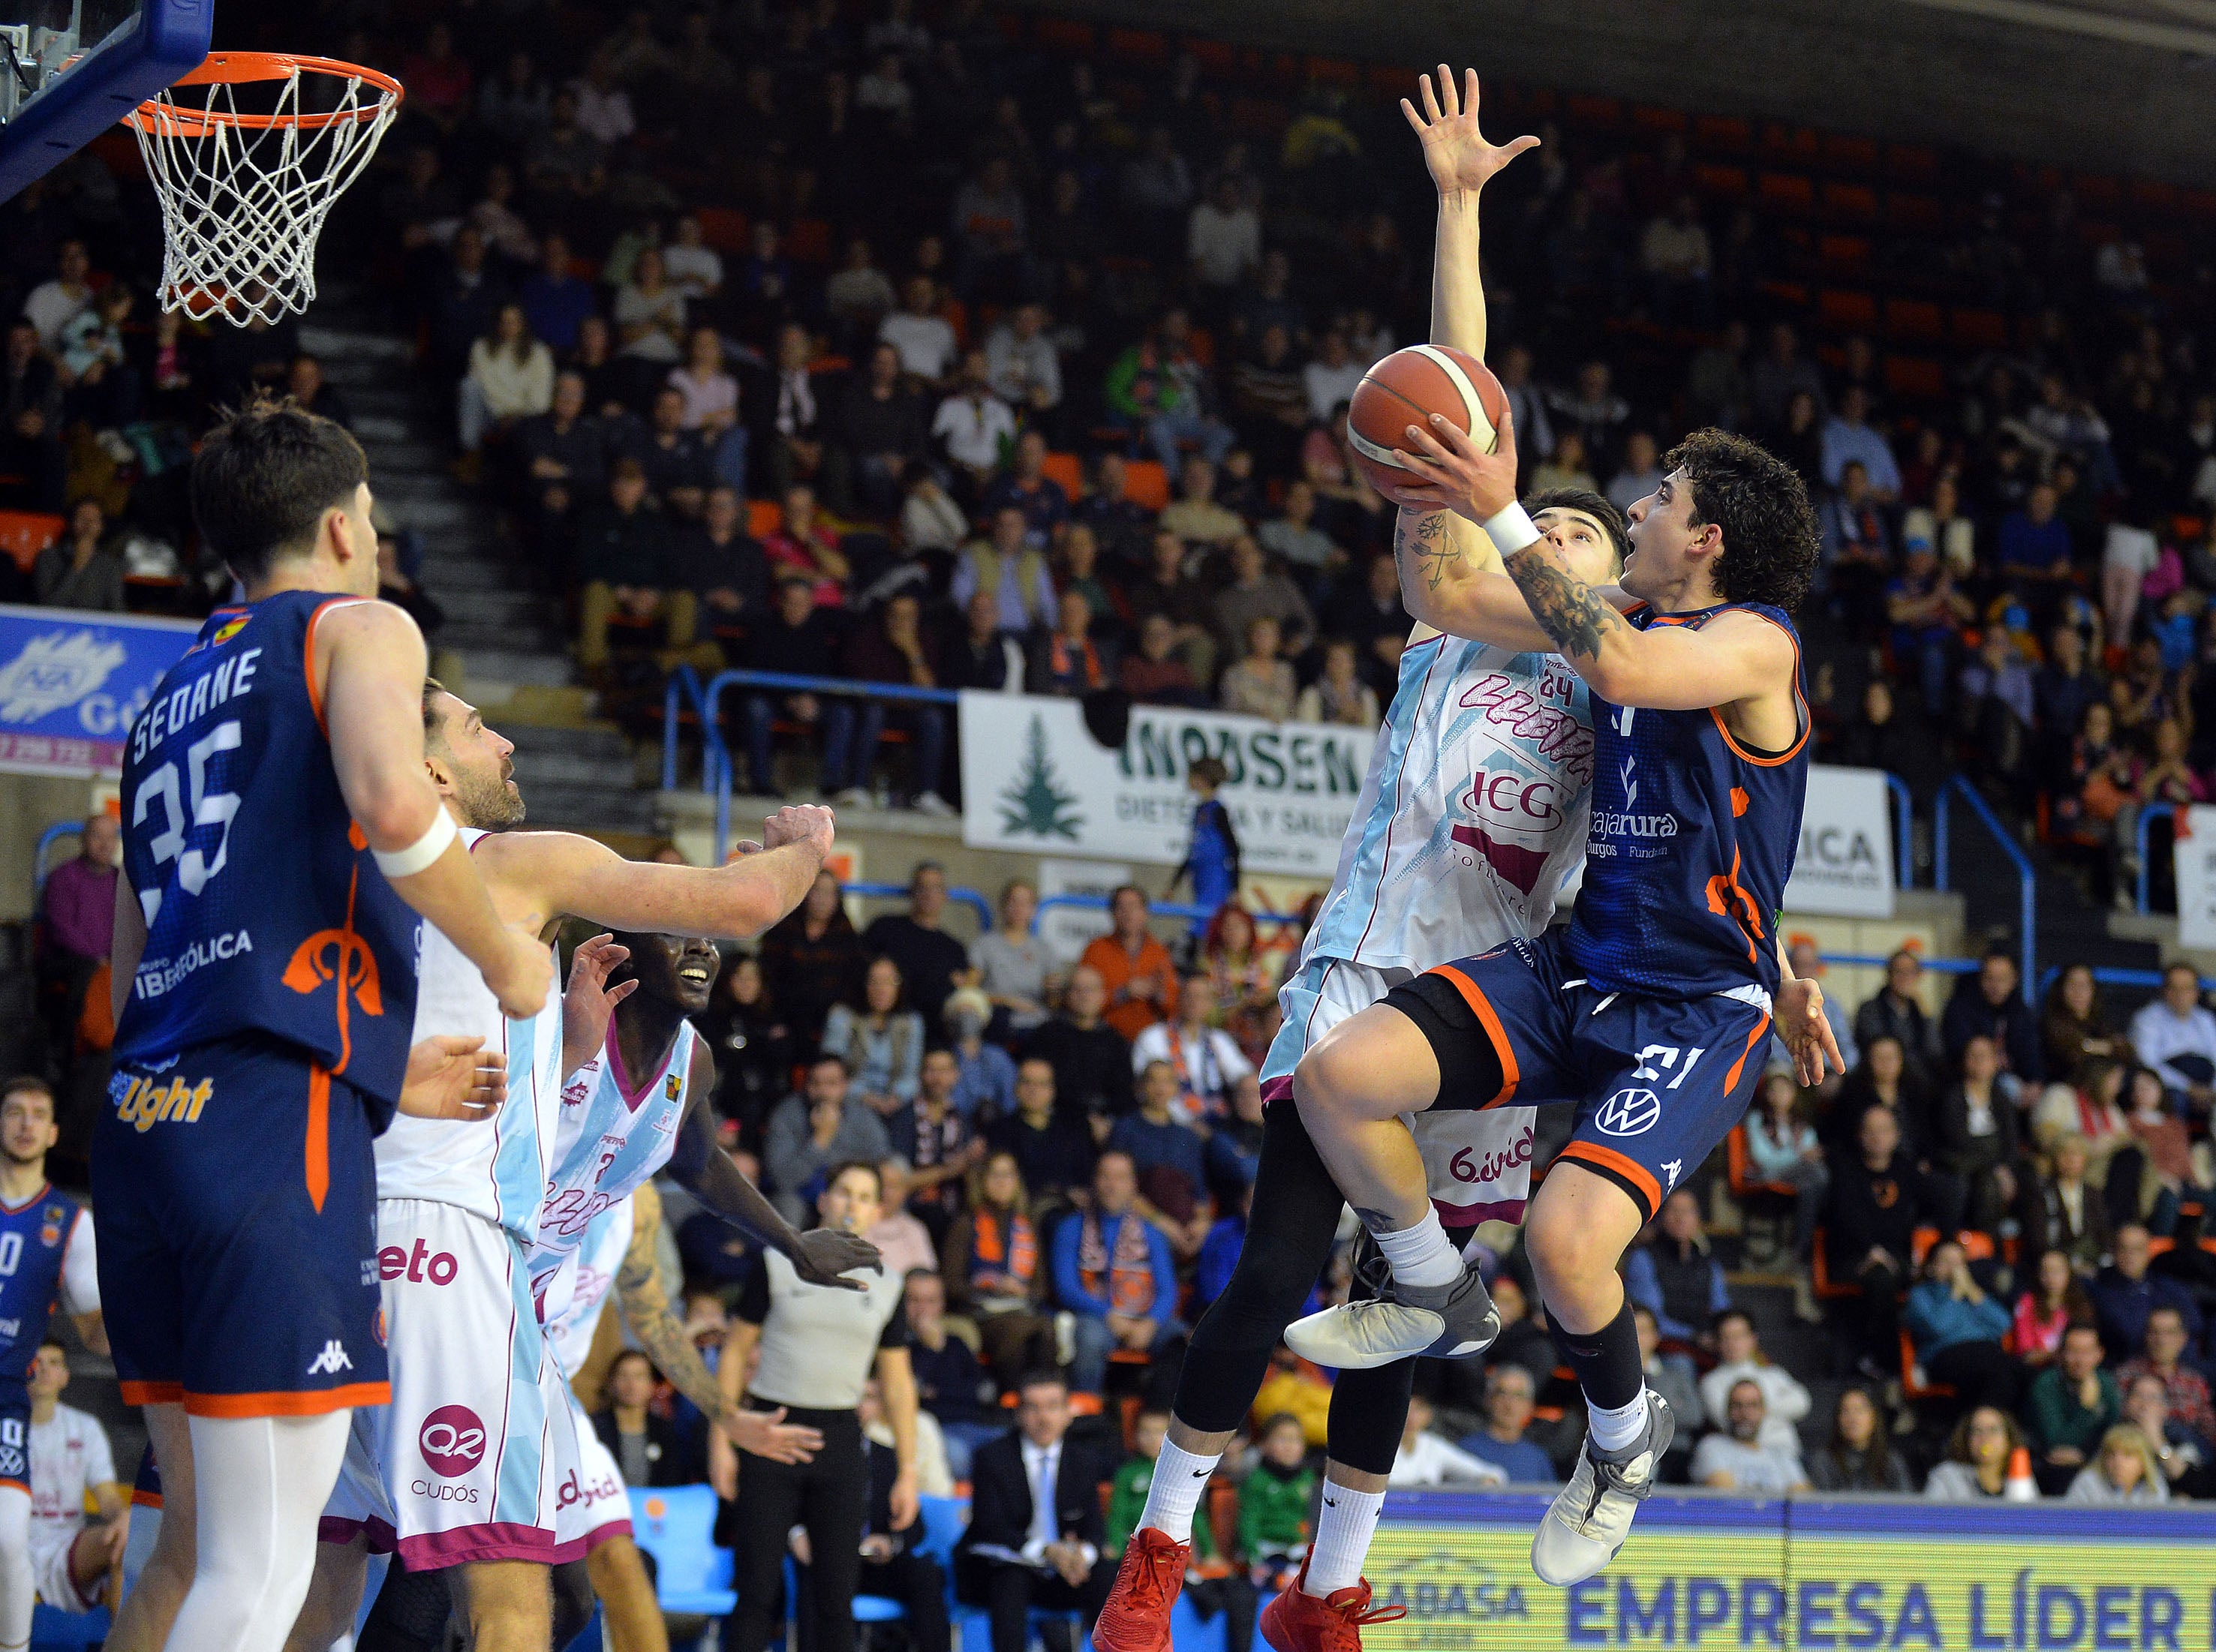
(1014, 1254)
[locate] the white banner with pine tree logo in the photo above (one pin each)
(1034, 779)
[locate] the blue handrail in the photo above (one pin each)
(714, 756)
(47, 839)
(2148, 813)
(1194, 916)
(974, 899)
(2028, 880)
(2151, 979)
(1904, 826)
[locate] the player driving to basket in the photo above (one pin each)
(1649, 1011)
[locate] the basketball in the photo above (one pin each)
(1405, 388)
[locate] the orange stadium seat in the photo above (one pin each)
(1334, 71)
(1850, 202)
(2198, 203)
(1065, 34)
(1146, 483)
(1721, 182)
(1787, 192)
(2156, 194)
(1847, 311)
(1923, 214)
(1912, 318)
(1978, 329)
(1648, 117)
(1916, 378)
(1724, 134)
(764, 518)
(1843, 254)
(24, 534)
(724, 227)
(1796, 144)
(1141, 45)
(1912, 163)
(1595, 113)
(809, 240)
(1847, 154)
(1065, 469)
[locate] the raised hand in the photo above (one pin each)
(1459, 158)
(826, 1254)
(590, 1002)
(1449, 471)
(453, 1079)
(799, 823)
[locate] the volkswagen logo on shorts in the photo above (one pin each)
(1629, 1113)
(452, 1441)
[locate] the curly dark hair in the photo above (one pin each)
(1769, 534)
(1600, 508)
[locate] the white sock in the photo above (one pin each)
(260, 1484)
(1613, 1430)
(1421, 1255)
(1345, 1524)
(1180, 1478)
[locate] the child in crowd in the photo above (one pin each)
(1277, 1505)
(1212, 861)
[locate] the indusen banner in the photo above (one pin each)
(70, 683)
(1034, 779)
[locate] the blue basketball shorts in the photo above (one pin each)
(237, 1199)
(1658, 1083)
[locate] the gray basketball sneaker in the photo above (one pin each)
(1446, 1322)
(1591, 1515)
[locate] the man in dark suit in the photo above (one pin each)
(1034, 1522)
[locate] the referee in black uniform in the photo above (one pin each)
(817, 1346)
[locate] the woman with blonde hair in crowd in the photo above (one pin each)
(995, 1264)
(2124, 1472)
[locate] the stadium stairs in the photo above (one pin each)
(504, 644)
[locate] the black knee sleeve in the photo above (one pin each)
(1290, 1222)
(1367, 1410)
(410, 1614)
(573, 1601)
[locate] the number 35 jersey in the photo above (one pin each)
(265, 913)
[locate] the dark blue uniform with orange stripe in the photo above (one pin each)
(1649, 1009)
(261, 1048)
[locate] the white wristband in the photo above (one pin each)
(403, 862)
(1513, 530)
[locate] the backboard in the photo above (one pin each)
(71, 69)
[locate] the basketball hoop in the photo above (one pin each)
(246, 165)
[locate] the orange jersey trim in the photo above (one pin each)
(1801, 711)
(144, 1393)
(319, 1129)
(1625, 1170)
(1731, 1078)
(18, 1484)
(145, 1499)
(308, 657)
(306, 1402)
(1481, 1007)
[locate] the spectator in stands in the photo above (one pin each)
(624, 560)
(647, 1447)
(949, 1382)
(694, 268)
(2176, 1036)
(1025, 485)
(1256, 592)
(1036, 1495)
(1258, 684)
(511, 379)
(881, 431)
(1010, 568)
(2125, 1296)
(2056, 1301)
(1206, 1063)
(30, 441)
(1501, 1443)
(1675, 255)
(2074, 1026)
(941, 1145)
(1672, 1275)
(1134, 966)
(563, 454)
(1978, 1456)
(898, 650)
(930, 961)
(985, 656)
(2126, 1470)
(81, 569)
(1169, 592)
(1858, 1457)
(1168, 1154)
(996, 1273)
(732, 572)
(1195, 515)
(2034, 550)
(1737, 1458)
(797, 639)
(2183, 1455)
(930, 520)
(1155, 389)
(1878, 1199)
(1850, 438)
(1593, 410)
(1974, 1138)
(815, 958)
(900, 1236)
(1112, 1270)
(1012, 965)
(1069, 661)
(76, 911)
(880, 1042)
(811, 1134)
(974, 427)
(2072, 1404)
(1568, 466)
(1926, 614)
(305, 383)
(1022, 363)
(71, 1465)
(2185, 1391)
(1053, 1149)
(1779, 375)
(1641, 473)
(1959, 1332)
(920, 333)
(986, 1087)
(52, 304)
(1090, 1059)
(753, 1046)
(1989, 1005)
(555, 299)
(1897, 1011)
(1154, 673)
(1782, 1149)
(1426, 1458)
(1275, 1503)
(2073, 1214)
(1741, 1359)
(806, 546)
(679, 469)
(1339, 696)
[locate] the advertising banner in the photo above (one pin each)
(1035, 779)
(1861, 1572)
(2196, 876)
(70, 683)
(1845, 869)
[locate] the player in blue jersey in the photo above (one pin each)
(280, 837)
(47, 1260)
(1649, 1011)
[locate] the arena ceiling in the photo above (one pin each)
(2117, 86)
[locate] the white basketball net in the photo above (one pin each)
(244, 190)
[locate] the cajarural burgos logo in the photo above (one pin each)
(452, 1441)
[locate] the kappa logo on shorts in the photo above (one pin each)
(1629, 1113)
(332, 1360)
(452, 1441)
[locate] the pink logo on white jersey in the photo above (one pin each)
(452, 1441)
